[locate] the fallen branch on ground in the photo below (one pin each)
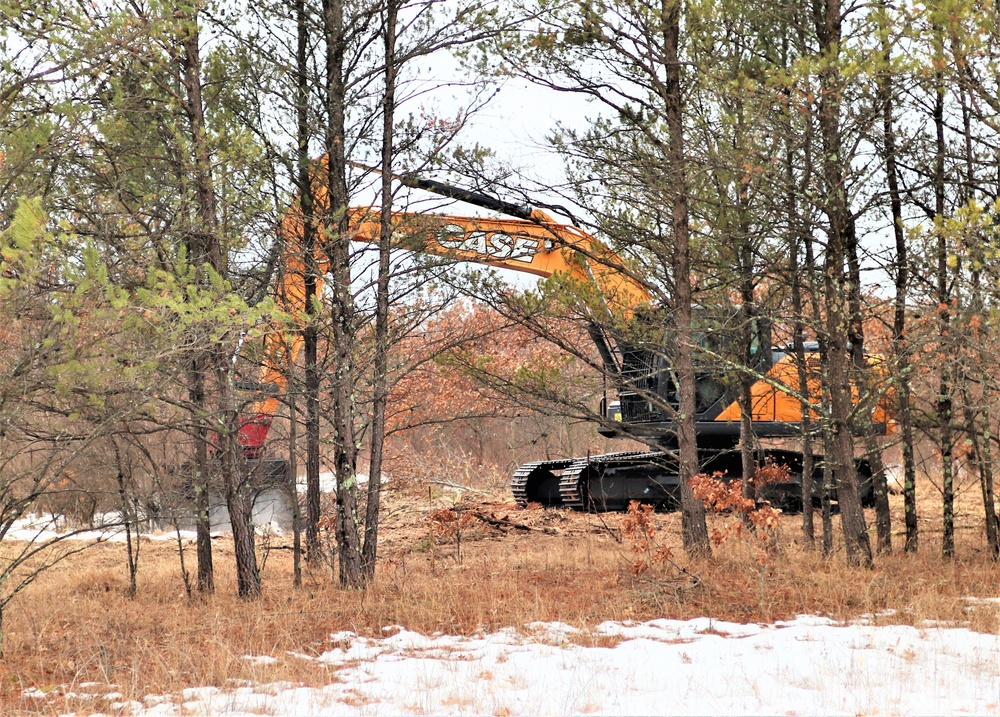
(505, 522)
(459, 486)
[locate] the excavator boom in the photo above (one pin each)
(531, 243)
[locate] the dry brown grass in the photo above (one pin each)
(78, 625)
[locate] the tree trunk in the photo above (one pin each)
(986, 484)
(983, 460)
(852, 517)
(240, 504)
(207, 247)
(237, 481)
(129, 518)
(311, 389)
(981, 443)
(381, 367)
(901, 351)
(866, 398)
(798, 335)
(338, 251)
(807, 279)
(944, 399)
(808, 529)
(292, 484)
(750, 365)
(828, 30)
(310, 338)
(693, 526)
(829, 480)
(201, 477)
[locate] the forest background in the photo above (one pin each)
(833, 169)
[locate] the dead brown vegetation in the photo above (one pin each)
(78, 625)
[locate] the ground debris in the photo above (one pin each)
(504, 522)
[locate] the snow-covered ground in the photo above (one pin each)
(810, 665)
(41, 528)
(272, 513)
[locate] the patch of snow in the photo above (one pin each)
(79, 695)
(676, 630)
(46, 527)
(924, 624)
(269, 517)
(126, 708)
(552, 632)
(299, 655)
(870, 618)
(810, 665)
(328, 481)
(43, 527)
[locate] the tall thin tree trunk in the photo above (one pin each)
(795, 237)
(982, 459)
(381, 365)
(829, 475)
(693, 526)
(981, 442)
(338, 251)
(867, 403)
(747, 438)
(201, 477)
(200, 252)
(901, 351)
(808, 528)
(829, 481)
(751, 361)
(828, 30)
(208, 249)
(311, 387)
(811, 284)
(986, 484)
(944, 398)
(805, 279)
(309, 263)
(129, 517)
(293, 476)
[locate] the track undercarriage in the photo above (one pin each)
(609, 482)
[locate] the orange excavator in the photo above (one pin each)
(530, 241)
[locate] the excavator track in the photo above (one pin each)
(581, 483)
(573, 493)
(537, 483)
(571, 482)
(609, 482)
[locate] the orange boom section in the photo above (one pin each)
(536, 245)
(539, 246)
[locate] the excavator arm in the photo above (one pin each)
(281, 347)
(531, 243)
(537, 245)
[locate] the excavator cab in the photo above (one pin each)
(647, 386)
